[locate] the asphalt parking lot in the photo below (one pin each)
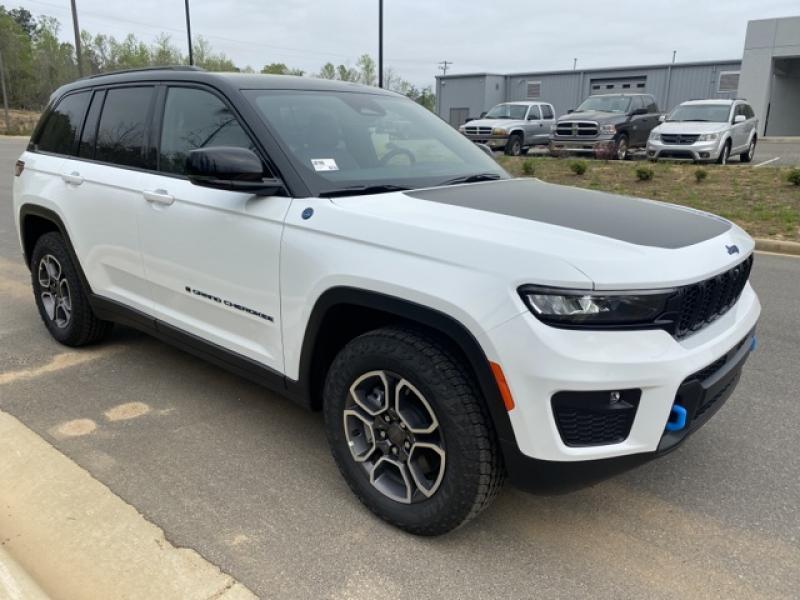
(245, 478)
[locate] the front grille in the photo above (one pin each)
(702, 303)
(678, 138)
(478, 130)
(592, 418)
(577, 129)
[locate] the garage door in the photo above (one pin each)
(617, 85)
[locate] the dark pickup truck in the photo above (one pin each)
(606, 126)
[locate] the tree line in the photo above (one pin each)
(36, 62)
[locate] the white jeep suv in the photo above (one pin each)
(345, 247)
(706, 130)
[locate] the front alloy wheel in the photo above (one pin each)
(54, 291)
(393, 433)
(409, 430)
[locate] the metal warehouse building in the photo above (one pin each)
(769, 76)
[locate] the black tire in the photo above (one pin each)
(473, 469)
(622, 148)
(747, 155)
(724, 154)
(81, 326)
(514, 145)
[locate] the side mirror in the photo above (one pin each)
(639, 111)
(739, 119)
(571, 110)
(230, 168)
(662, 118)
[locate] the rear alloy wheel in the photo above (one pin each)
(724, 154)
(409, 431)
(747, 157)
(514, 145)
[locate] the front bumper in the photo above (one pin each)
(539, 361)
(596, 145)
(699, 151)
(495, 142)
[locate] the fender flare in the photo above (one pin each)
(418, 313)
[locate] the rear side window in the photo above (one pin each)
(547, 112)
(651, 105)
(120, 133)
(63, 125)
(89, 135)
(194, 119)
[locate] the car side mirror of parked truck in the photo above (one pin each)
(232, 169)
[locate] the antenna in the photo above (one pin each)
(443, 66)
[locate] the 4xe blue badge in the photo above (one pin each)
(307, 213)
(734, 249)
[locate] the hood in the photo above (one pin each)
(594, 115)
(535, 232)
(494, 123)
(690, 127)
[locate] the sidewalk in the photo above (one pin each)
(69, 536)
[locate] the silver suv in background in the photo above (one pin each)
(512, 126)
(706, 130)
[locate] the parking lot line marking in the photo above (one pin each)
(59, 362)
(777, 254)
(766, 162)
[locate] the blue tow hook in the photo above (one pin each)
(754, 344)
(677, 418)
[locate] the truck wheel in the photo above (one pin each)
(724, 154)
(409, 431)
(514, 145)
(60, 297)
(621, 148)
(747, 157)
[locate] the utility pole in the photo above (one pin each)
(380, 43)
(574, 63)
(443, 66)
(189, 32)
(674, 53)
(5, 96)
(77, 38)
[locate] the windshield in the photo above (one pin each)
(614, 104)
(340, 140)
(507, 111)
(715, 113)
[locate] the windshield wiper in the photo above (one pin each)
(362, 190)
(471, 178)
(695, 120)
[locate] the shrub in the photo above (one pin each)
(529, 167)
(700, 175)
(578, 167)
(644, 173)
(794, 176)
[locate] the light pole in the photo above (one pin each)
(380, 43)
(77, 38)
(189, 32)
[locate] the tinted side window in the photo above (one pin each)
(748, 111)
(651, 105)
(547, 112)
(533, 113)
(120, 134)
(62, 128)
(89, 135)
(196, 119)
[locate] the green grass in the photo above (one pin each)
(762, 201)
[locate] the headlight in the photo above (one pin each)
(499, 131)
(655, 136)
(708, 137)
(462, 128)
(585, 308)
(608, 129)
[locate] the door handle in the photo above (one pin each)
(158, 197)
(73, 178)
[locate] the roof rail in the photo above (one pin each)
(140, 69)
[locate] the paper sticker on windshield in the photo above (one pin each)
(324, 164)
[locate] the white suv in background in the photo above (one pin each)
(706, 130)
(343, 246)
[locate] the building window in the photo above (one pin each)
(640, 85)
(534, 89)
(728, 81)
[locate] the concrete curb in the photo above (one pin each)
(76, 539)
(779, 246)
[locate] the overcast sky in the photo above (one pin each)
(475, 35)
